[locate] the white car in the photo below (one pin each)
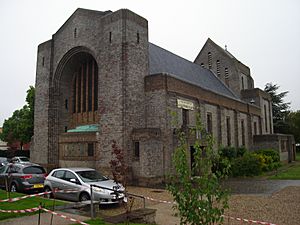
(75, 183)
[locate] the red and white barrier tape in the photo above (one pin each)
(23, 197)
(230, 217)
(248, 221)
(63, 216)
(34, 195)
(20, 211)
(161, 201)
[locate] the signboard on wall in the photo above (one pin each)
(184, 104)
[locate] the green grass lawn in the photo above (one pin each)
(31, 203)
(23, 204)
(290, 171)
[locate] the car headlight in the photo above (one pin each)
(97, 189)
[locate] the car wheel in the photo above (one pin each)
(50, 195)
(84, 197)
(13, 187)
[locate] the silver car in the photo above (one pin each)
(74, 184)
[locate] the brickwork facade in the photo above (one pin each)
(95, 71)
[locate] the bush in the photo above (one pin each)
(270, 152)
(248, 165)
(240, 151)
(228, 152)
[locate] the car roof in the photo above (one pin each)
(75, 169)
(24, 164)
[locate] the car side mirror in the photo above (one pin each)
(73, 180)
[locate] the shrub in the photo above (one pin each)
(248, 165)
(270, 152)
(228, 152)
(240, 151)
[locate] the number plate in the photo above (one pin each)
(38, 186)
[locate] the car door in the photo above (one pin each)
(57, 181)
(71, 184)
(3, 176)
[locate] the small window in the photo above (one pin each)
(137, 149)
(185, 117)
(209, 60)
(209, 123)
(109, 37)
(75, 33)
(228, 131)
(43, 61)
(66, 128)
(137, 37)
(243, 85)
(218, 68)
(66, 104)
(255, 128)
(202, 64)
(243, 132)
(90, 149)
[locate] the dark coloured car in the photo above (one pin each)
(19, 177)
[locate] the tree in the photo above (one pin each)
(197, 190)
(19, 127)
(294, 124)
(280, 109)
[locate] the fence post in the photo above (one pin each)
(39, 220)
(92, 203)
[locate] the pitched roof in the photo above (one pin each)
(163, 61)
(226, 52)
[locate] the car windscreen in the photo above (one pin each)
(24, 159)
(34, 170)
(90, 176)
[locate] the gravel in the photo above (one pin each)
(281, 208)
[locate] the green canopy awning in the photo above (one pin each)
(85, 128)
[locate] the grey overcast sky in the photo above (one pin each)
(263, 34)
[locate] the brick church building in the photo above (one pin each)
(99, 79)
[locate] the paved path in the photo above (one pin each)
(258, 187)
(45, 220)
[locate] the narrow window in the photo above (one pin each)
(243, 85)
(228, 131)
(255, 128)
(137, 37)
(218, 68)
(74, 93)
(226, 77)
(95, 88)
(109, 37)
(90, 149)
(66, 128)
(209, 60)
(185, 117)
(85, 68)
(266, 121)
(243, 132)
(43, 61)
(202, 64)
(136, 149)
(75, 33)
(79, 90)
(66, 104)
(209, 123)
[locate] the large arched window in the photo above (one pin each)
(85, 87)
